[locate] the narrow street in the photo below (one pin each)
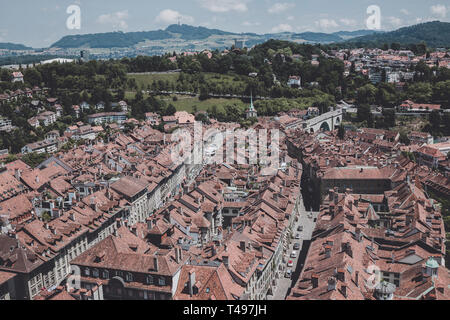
(307, 221)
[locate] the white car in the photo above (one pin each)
(294, 254)
(297, 236)
(288, 274)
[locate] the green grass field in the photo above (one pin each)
(144, 80)
(187, 103)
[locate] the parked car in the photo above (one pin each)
(288, 274)
(300, 228)
(297, 246)
(290, 263)
(294, 254)
(297, 236)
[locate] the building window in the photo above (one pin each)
(87, 272)
(106, 274)
(149, 280)
(95, 273)
(162, 281)
(129, 277)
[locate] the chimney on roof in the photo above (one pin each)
(133, 230)
(357, 278)
(149, 223)
(37, 179)
(242, 245)
(358, 234)
(18, 174)
(315, 280)
(275, 197)
(226, 260)
(155, 264)
(191, 282)
(177, 255)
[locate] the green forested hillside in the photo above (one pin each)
(434, 34)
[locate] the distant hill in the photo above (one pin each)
(191, 33)
(195, 33)
(354, 34)
(317, 37)
(110, 39)
(13, 46)
(434, 34)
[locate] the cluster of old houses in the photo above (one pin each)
(397, 64)
(133, 224)
(378, 235)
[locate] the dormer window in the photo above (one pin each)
(95, 273)
(149, 280)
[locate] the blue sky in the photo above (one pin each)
(40, 23)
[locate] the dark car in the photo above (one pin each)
(297, 246)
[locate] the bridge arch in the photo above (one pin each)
(325, 126)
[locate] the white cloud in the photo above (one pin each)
(251, 24)
(326, 24)
(394, 22)
(348, 22)
(405, 12)
(169, 16)
(221, 6)
(280, 7)
(291, 18)
(282, 28)
(439, 11)
(116, 20)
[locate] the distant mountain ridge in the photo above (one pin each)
(13, 46)
(191, 33)
(434, 34)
